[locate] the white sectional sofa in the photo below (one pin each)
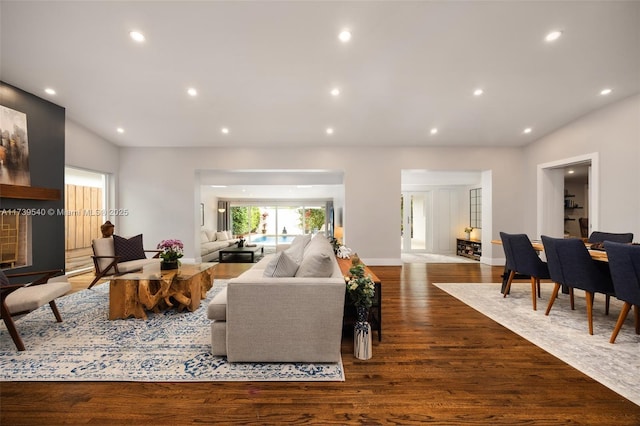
(211, 242)
(286, 308)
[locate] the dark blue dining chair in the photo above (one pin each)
(601, 237)
(571, 263)
(522, 259)
(624, 263)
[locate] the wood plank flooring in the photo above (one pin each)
(439, 362)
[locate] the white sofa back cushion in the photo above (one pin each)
(318, 259)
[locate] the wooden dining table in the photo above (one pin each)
(599, 255)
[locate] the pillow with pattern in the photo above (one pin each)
(128, 248)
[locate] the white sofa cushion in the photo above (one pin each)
(217, 308)
(282, 265)
(221, 236)
(204, 238)
(318, 260)
(211, 234)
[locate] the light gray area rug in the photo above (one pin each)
(168, 347)
(434, 258)
(564, 333)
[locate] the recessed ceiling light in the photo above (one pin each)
(478, 92)
(335, 92)
(120, 130)
(218, 186)
(571, 172)
(192, 92)
(137, 36)
(329, 131)
(553, 36)
(434, 131)
(49, 91)
(605, 92)
(225, 130)
(527, 130)
(344, 36)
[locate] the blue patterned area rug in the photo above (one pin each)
(564, 333)
(168, 347)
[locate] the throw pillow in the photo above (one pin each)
(281, 266)
(229, 235)
(204, 238)
(317, 264)
(221, 236)
(128, 248)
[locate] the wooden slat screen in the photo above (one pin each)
(83, 215)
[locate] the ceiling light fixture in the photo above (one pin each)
(49, 91)
(553, 36)
(527, 130)
(571, 172)
(192, 92)
(434, 131)
(225, 130)
(335, 92)
(329, 131)
(136, 36)
(605, 92)
(478, 92)
(120, 130)
(345, 36)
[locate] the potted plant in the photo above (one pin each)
(172, 251)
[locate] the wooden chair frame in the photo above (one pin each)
(5, 291)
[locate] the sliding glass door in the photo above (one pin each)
(276, 223)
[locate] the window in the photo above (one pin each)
(475, 208)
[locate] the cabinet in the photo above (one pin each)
(469, 248)
(8, 239)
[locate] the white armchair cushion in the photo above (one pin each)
(32, 297)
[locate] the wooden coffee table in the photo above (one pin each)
(237, 254)
(132, 294)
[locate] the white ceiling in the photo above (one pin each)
(265, 69)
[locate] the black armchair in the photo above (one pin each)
(523, 259)
(624, 264)
(571, 264)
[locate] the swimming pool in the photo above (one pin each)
(270, 240)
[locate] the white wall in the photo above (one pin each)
(86, 150)
(614, 133)
(158, 188)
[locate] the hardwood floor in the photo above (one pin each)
(439, 362)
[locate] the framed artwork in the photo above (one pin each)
(201, 214)
(14, 148)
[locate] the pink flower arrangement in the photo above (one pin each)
(172, 250)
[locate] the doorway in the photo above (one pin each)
(552, 200)
(85, 210)
(416, 214)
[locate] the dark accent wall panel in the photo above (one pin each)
(46, 132)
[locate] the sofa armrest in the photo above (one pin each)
(286, 321)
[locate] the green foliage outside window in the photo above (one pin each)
(241, 225)
(310, 219)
